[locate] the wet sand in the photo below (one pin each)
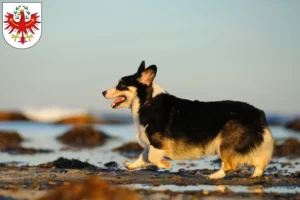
(31, 182)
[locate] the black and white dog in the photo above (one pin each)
(175, 128)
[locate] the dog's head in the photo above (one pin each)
(129, 87)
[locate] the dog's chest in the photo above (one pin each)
(141, 135)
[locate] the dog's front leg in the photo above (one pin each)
(152, 155)
(140, 162)
(156, 157)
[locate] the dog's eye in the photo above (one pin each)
(121, 86)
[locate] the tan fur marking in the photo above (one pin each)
(181, 150)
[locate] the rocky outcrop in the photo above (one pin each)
(293, 125)
(10, 143)
(83, 136)
(9, 139)
(92, 188)
(12, 116)
(81, 119)
(68, 164)
(129, 149)
(290, 148)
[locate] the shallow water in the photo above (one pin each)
(221, 188)
(42, 135)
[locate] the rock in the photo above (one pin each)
(89, 119)
(12, 116)
(129, 149)
(193, 164)
(181, 163)
(68, 164)
(10, 143)
(97, 189)
(9, 139)
(83, 136)
(291, 148)
(111, 164)
(216, 162)
(80, 119)
(293, 125)
(155, 184)
(23, 150)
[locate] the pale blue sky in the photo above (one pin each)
(205, 50)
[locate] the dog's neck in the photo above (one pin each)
(136, 103)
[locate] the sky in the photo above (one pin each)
(205, 50)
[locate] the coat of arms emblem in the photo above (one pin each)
(22, 24)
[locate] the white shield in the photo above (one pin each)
(22, 24)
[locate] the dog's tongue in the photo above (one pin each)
(118, 99)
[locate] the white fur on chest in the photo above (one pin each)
(141, 135)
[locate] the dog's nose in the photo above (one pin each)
(104, 93)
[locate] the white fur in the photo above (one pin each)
(141, 135)
(152, 155)
(261, 154)
(135, 106)
(157, 90)
(140, 162)
(218, 174)
(155, 156)
(257, 172)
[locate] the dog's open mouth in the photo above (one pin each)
(118, 101)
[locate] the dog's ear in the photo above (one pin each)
(141, 67)
(148, 75)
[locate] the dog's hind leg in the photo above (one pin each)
(259, 168)
(228, 164)
(260, 162)
(218, 174)
(263, 154)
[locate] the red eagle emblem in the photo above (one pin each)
(24, 26)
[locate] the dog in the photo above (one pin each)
(174, 128)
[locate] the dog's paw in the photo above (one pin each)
(132, 166)
(217, 175)
(166, 164)
(128, 165)
(163, 164)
